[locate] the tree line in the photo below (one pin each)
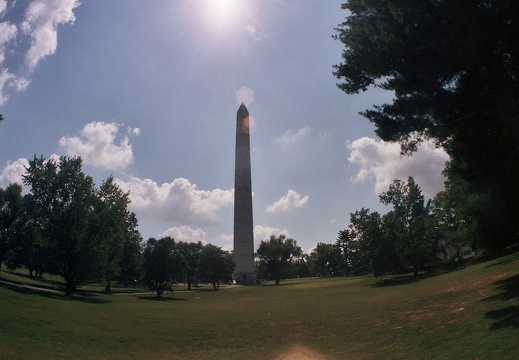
(68, 227)
(412, 237)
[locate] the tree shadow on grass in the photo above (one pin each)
(505, 260)
(54, 283)
(397, 280)
(161, 299)
(507, 316)
(57, 296)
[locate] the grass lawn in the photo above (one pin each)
(470, 313)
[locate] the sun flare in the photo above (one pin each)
(222, 11)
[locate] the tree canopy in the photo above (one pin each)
(216, 265)
(12, 218)
(453, 69)
(63, 199)
(162, 264)
(276, 254)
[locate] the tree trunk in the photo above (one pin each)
(108, 287)
(69, 287)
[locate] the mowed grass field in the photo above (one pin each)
(468, 313)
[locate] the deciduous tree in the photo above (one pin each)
(410, 217)
(192, 253)
(276, 254)
(63, 200)
(131, 260)
(111, 215)
(327, 259)
(162, 264)
(216, 265)
(12, 218)
(343, 244)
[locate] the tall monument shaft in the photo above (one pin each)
(244, 273)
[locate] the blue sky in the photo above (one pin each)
(148, 92)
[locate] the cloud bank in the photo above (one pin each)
(264, 232)
(290, 137)
(32, 38)
(178, 202)
(12, 172)
(291, 201)
(97, 145)
(185, 233)
(382, 162)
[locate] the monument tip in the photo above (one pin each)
(243, 108)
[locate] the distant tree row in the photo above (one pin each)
(65, 226)
(410, 237)
(166, 262)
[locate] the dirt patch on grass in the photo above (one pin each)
(300, 352)
(477, 288)
(478, 283)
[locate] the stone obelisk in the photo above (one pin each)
(244, 273)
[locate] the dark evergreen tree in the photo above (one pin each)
(453, 70)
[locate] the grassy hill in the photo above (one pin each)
(469, 313)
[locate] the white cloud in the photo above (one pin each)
(20, 83)
(228, 241)
(39, 26)
(12, 172)
(292, 200)
(177, 202)
(290, 137)
(134, 131)
(5, 78)
(7, 33)
(42, 18)
(185, 233)
(254, 33)
(3, 6)
(264, 232)
(97, 146)
(382, 162)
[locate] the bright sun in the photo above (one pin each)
(222, 11)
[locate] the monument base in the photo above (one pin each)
(244, 278)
